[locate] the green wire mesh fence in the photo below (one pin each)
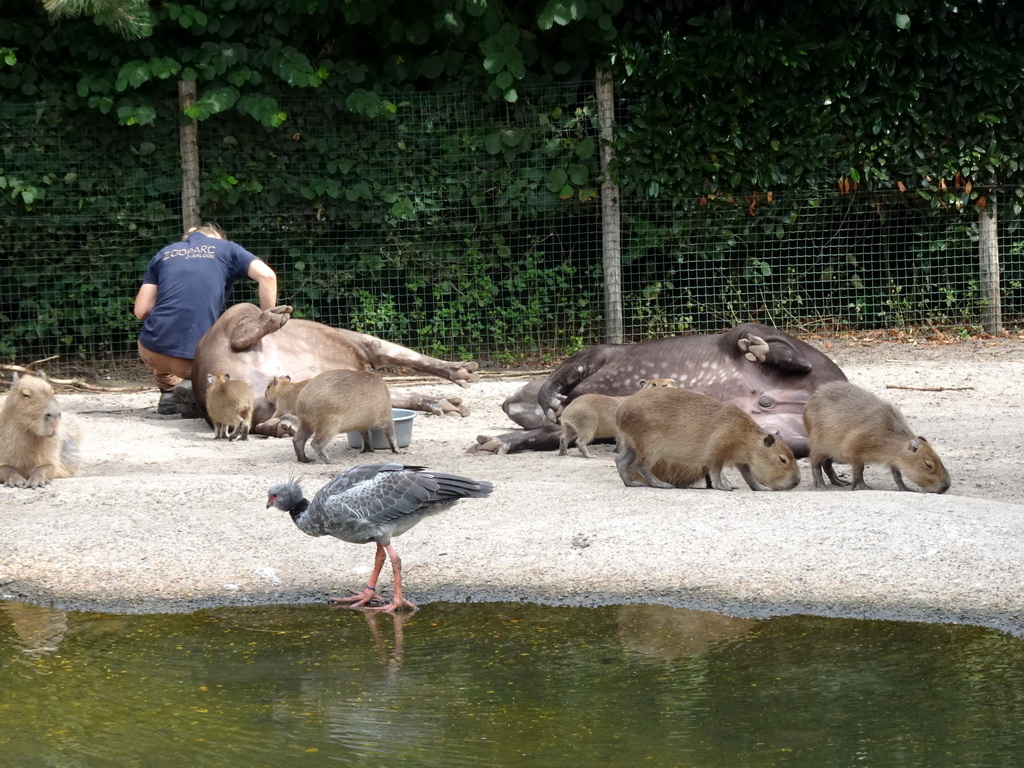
(457, 227)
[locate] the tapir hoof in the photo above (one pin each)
(466, 374)
(275, 428)
(445, 405)
(485, 444)
(755, 347)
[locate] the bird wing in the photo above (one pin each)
(372, 494)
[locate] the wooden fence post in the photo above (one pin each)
(988, 256)
(189, 149)
(611, 224)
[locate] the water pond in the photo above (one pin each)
(502, 685)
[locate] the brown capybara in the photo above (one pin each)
(682, 436)
(37, 444)
(651, 383)
(589, 417)
(848, 424)
(342, 401)
(592, 417)
(229, 404)
(283, 394)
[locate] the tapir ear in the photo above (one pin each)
(914, 445)
(769, 441)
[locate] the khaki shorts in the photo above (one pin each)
(168, 371)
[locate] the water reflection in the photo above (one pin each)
(662, 632)
(38, 629)
(502, 684)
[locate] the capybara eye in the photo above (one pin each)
(928, 464)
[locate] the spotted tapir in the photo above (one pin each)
(767, 373)
(254, 346)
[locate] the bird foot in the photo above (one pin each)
(362, 599)
(391, 607)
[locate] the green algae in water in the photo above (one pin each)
(502, 685)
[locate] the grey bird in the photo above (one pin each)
(374, 502)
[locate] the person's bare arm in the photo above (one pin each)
(145, 301)
(267, 279)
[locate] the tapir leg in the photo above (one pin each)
(544, 438)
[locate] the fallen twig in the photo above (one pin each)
(74, 383)
(928, 389)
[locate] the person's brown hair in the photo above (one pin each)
(207, 228)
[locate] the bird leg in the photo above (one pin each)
(367, 594)
(397, 601)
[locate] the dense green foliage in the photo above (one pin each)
(428, 171)
(913, 94)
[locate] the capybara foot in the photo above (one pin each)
(754, 347)
(485, 444)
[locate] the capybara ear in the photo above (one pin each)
(209, 378)
(769, 441)
(914, 445)
(227, 377)
(41, 375)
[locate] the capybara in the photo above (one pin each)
(229, 404)
(651, 383)
(37, 444)
(587, 418)
(283, 394)
(592, 417)
(673, 437)
(848, 424)
(342, 401)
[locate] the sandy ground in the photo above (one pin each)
(165, 518)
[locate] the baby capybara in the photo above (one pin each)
(283, 394)
(673, 437)
(37, 444)
(848, 424)
(587, 418)
(592, 417)
(229, 405)
(342, 401)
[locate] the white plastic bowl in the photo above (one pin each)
(379, 441)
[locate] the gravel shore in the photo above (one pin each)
(164, 518)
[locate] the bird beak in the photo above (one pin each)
(270, 502)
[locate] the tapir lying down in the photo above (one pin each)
(767, 373)
(254, 346)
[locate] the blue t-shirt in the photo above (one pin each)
(193, 279)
